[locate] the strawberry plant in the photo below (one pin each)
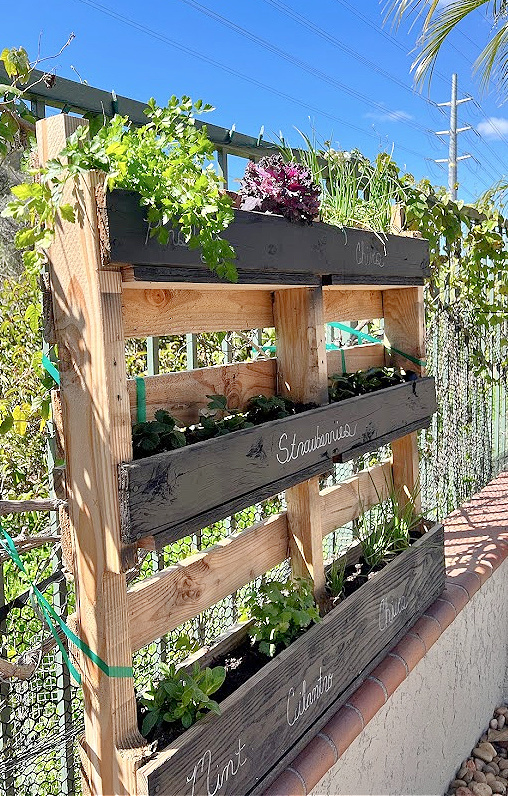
(347, 385)
(261, 409)
(163, 434)
(156, 436)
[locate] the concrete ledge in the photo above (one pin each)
(476, 544)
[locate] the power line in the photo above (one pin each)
(188, 51)
(296, 61)
(383, 33)
(309, 25)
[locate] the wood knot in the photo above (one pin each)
(158, 298)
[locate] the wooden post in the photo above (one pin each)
(302, 376)
(97, 435)
(404, 318)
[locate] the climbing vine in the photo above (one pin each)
(469, 281)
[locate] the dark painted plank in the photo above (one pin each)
(154, 273)
(263, 722)
(180, 491)
(385, 439)
(270, 244)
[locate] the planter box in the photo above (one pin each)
(271, 716)
(171, 495)
(269, 250)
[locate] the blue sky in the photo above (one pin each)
(282, 64)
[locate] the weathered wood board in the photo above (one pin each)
(268, 249)
(173, 494)
(294, 695)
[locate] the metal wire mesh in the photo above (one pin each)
(40, 719)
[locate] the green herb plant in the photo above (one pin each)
(386, 533)
(280, 613)
(181, 696)
(163, 434)
(168, 162)
(354, 190)
(335, 576)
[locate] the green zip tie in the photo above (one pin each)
(141, 399)
(343, 357)
(51, 616)
(51, 369)
(371, 339)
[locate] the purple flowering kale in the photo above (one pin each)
(274, 186)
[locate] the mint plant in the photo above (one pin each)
(181, 696)
(281, 612)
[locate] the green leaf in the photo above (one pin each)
(10, 89)
(67, 212)
(24, 190)
(6, 424)
(149, 722)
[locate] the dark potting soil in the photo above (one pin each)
(245, 660)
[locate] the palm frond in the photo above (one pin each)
(493, 61)
(397, 9)
(436, 29)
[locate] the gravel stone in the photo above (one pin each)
(481, 789)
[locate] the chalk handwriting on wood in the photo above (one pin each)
(158, 494)
(296, 692)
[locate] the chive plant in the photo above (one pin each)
(354, 190)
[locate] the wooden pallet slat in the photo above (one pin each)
(164, 601)
(183, 393)
(166, 312)
(95, 407)
(342, 304)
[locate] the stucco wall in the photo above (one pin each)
(415, 743)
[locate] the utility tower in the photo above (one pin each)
(452, 158)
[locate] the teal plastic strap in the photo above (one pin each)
(51, 369)
(141, 399)
(343, 357)
(52, 618)
(371, 339)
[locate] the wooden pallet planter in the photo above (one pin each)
(268, 249)
(108, 286)
(271, 716)
(158, 494)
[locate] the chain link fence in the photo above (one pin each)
(41, 718)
